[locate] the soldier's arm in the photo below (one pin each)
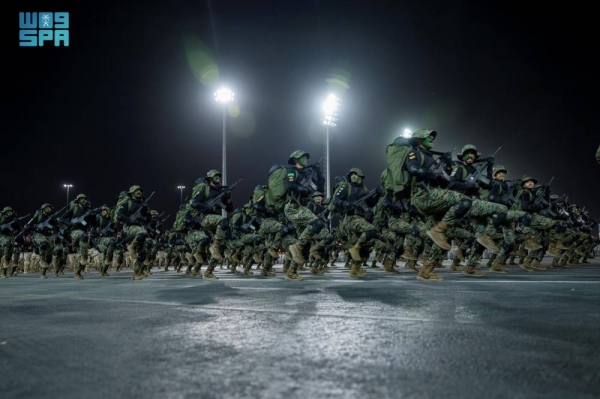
(340, 196)
(456, 181)
(495, 195)
(414, 167)
(292, 183)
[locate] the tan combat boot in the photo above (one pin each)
(553, 250)
(497, 267)
(471, 271)
(353, 270)
(292, 275)
(208, 275)
(388, 266)
(360, 272)
(489, 243)
(132, 251)
(456, 266)
(438, 235)
(560, 245)
(521, 253)
(426, 273)
(412, 265)
(537, 265)
(408, 253)
(267, 273)
(460, 254)
(531, 245)
(355, 252)
(526, 265)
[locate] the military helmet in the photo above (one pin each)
(318, 194)
(153, 212)
(423, 134)
(46, 205)
(7, 209)
(105, 208)
(212, 173)
(297, 154)
(498, 168)
(134, 188)
(469, 147)
(526, 178)
(80, 196)
(357, 171)
(553, 197)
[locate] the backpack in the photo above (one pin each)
(123, 197)
(200, 184)
(395, 178)
(275, 195)
(179, 223)
(337, 183)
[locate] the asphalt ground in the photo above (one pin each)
(519, 335)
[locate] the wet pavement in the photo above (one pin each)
(519, 335)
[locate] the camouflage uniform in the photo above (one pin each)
(45, 226)
(78, 218)
(9, 254)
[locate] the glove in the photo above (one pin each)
(380, 191)
(490, 159)
(471, 185)
(347, 205)
(304, 190)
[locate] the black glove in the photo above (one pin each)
(303, 190)
(347, 205)
(380, 191)
(490, 159)
(471, 185)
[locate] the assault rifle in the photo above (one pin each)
(538, 200)
(442, 156)
(358, 202)
(81, 219)
(480, 170)
(213, 202)
(108, 229)
(46, 223)
(10, 226)
(310, 173)
(138, 212)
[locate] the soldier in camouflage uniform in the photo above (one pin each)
(79, 218)
(9, 254)
(347, 201)
(212, 221)
(133, 213)
(105, 229)
(188, 226)
(306, 223)
(271, 230)
(45, 226)
(318, 249)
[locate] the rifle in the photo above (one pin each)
(81, 219)
(46, 223)
(138, 212)
(108, 229)
(213, 202)
(442, 155)
(9, 226)
(363, 198)
(538, 200)
(480, 168)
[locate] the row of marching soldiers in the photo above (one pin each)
(426, 200)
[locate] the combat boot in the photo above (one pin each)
(43, 275)
(553, 250)
(360, 272)
(497, 266)
(292, 275)
(412, 265)
(138, 270)
(560, 245)
(512, 261)
(456, 267)
(537, 265)
(267, 273)
(296, 251)
(526, 265)
(247, 271)
(426, 273)
(556, 264)
(4, 270)
(208, 275)
(489, 262)
(316, 270)
(438, 235)
(374, 264)
(104, 271)
(234, 269)
(531, 245)
(353, 270)
(355, 252)
(78, 275)
(408, 253)
(520, 253)
(132, 251)
(471, 271)
(489, 243)
(388, 266)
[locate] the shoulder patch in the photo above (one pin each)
(454, 170)
(412, 155)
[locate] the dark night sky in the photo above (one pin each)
(121, 105)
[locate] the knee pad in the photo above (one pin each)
(257, 241)
(559, 227)
(43, 246)
(462, 208)
(525, 220)
(370, 234)
(317, 226)
(498, 219)
(140, 237)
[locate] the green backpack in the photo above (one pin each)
(275, 194)
(123, 197)
(179, 223)
(395, 178)
(200, 184)
(337, 183)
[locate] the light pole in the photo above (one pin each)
(180, 188)
(224, 96)
(67, 186)
(330, 113)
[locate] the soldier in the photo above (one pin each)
(318, 250)
(105, 228)
(45, 226)
(354, 201)
(296, 182)
(132, 211)
(598, 155)
(9, 255)
(79, 218)
(204, 195)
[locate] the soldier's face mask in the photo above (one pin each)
(428, 142)
(469, 156)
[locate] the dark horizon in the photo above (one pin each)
(122, 105)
